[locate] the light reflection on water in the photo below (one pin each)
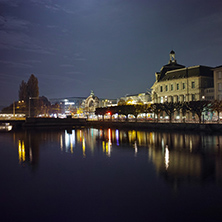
(119, 167)
(172, 153)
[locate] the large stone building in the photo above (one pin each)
(176, 82)
(218, 83)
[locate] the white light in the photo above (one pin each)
(167, 157)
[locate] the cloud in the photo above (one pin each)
(67, 65)
(15, 64)
(12, 3)
(13, 36)
(12, 23)
(48, 4)
(21, 41)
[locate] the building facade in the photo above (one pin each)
(141, 98)
(177, 83)
(218, 83)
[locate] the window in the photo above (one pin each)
(219, 75)
(184, 85)
(193, 85)
(177, 86)
(193, 97)
(219, 86)
(176, 99)
(171, 87)
(166, 88)
(161, 88)
(182, 98)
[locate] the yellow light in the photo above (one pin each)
(23, 151)
(19, 150)
(83, 147)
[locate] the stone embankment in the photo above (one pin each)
(70, 123)
(210, 127)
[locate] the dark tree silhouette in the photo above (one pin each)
(198, 107)
(157, 108)
(32, 87)
(169, 108)
(217, 107)
(23, 91)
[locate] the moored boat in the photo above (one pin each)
(5, 127)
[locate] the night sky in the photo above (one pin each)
(113, 47)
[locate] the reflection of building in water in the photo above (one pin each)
(21, 151)
(28, 148)
(177, 157)
(188, 158)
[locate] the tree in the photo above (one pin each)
(217, 107)
(23, 91)
(44, 106)
(157, 108)
(169, 108)
(32, 87)
(32, 95)
(138, 109)
(198, 107)
(29, 90)
(183, 107)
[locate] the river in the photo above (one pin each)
(104, 175)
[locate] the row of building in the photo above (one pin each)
(174, 82)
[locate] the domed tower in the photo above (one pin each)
(172, 57)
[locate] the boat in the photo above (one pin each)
(5, 127)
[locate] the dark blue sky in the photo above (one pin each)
(113, 47)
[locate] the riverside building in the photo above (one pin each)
(177, 83)
(218, 83)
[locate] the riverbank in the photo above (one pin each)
(210, 127)
(69, 123)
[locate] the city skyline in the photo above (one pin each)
(111, 47)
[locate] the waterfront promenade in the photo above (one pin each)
(147, 125)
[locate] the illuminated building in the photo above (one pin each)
(82, 105)
(141, 98)
(218, 83)
(176, 82)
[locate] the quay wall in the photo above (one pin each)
(72, 123)
(159, 126)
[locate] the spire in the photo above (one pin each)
(172, 57)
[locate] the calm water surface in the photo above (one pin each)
(110, 175)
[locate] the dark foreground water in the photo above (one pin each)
(110, 175)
